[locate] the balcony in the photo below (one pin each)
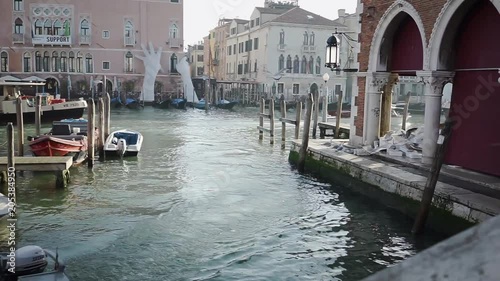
(85, 39)
(174, 42)
(281, 47)
(18, 38)
(129, 41)
(305, 48)
(312, 49)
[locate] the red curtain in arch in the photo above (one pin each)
(407, 49)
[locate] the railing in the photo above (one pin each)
(174, 42)
(85, 39)
(305, 48)
(18, 38)
(281, 47)
(312, 49)
(129, 41)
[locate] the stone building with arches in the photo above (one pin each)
(438, 42)
(72, 43)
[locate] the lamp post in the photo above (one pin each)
(332, 57)
(326, 77)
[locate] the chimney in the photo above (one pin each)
(341, 13)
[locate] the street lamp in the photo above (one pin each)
(326, 77)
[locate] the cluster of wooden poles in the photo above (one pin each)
(101, 128)
(311, 114)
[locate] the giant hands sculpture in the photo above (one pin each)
(152, 65)
(183, 69)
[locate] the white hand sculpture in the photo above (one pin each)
(152, 65)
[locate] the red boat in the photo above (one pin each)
(62, 145)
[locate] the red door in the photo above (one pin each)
(475, 102)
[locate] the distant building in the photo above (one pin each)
(73, 42)
(196, 55)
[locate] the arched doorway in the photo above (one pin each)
(397, 50)
(475, 140)
(51, 86)
(109, 86)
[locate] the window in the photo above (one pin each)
(47, 27)
(46, 62)
(173, 63)
(38, 27)
(173, 31)
(84, 27)
(281, 87)
(38, 61)
(56, 63)
(71, 62)
(64, 63)
(282, 37)
(88, 64)
(105, 34)
(4, 58)
(252, 23)
(303, 65)
(257, 21)
(240, 68)
(296, 65)
(306, 38)
(67, 28)
(58, 30)
(255, 66)
(200, 58)
(18, 5)
(105, 65)
(311, 39)
(296, 89)
(18, 26)
(281, 62)
(79, 62)
(129, 62)
(174, 1)
(289, 63)
(27, 62)
(310, 65)
(318, 65)
(233, 30)
(199, 71)
(256, 43)
(129, 33)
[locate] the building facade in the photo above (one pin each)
(439, 42)
(76, 42)
(281, 49)
(196, 54)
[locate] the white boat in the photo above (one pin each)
(123, 143)
(52, 109)
(31, 264)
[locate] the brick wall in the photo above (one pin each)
(373, 10)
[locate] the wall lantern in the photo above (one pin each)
(332, 58)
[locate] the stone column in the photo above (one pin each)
(375, 85)
(386, 104)
(434, 82)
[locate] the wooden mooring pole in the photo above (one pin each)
(271, 119)
(430, 185)
(101, 129)
(283, 124)
(261, 118)
(20, 127)
(10, 154)
(339, 115)
(91, 132)
(405, 112)
(107, 115)
(298, 118)
(38, 115)
(316, 113)
(305, 135)
(325, 109)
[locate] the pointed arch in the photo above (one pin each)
(310, 65)
(47, 27)
(18, 26)
(318, 65)
(38, 27)
(4, 61)
(173, 63)
(281, 62)
(173, 31)
(38, 61)
(289, 63)
(296, 64)
(27, 62)
(303, 65)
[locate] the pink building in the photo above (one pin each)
(71, 43)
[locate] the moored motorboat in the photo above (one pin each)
(225, 104)
(61, 145)
(30, 264)
(123, 143)
(179, 103)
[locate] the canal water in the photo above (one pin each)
(205, 200)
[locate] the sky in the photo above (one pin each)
(200, 16)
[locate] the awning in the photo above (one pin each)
(9, 78)
(33, 79)
(8, 83)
